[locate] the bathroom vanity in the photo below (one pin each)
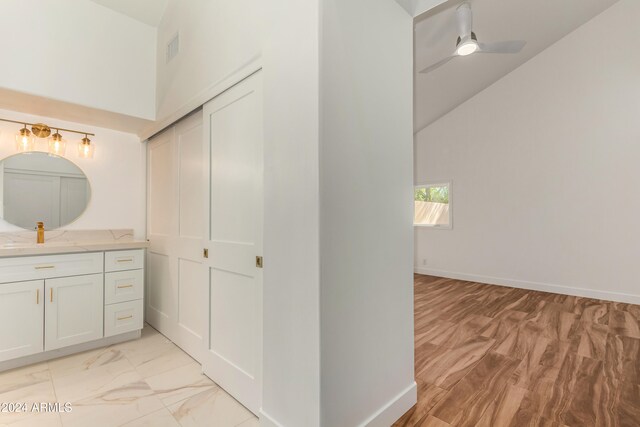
(77, 291)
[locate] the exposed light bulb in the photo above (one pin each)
(85, 148)
(467, 48)
(57, 145)
(24, 140)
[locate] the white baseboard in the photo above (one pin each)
(389, 413)
(533, 286)
(384, 417)
(267, 421)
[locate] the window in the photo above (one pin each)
(432, 205)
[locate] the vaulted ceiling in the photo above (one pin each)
(147, 11)
(540, 22)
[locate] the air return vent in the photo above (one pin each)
(173, 47)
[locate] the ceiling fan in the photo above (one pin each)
(468, 42)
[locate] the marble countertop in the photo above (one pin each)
(23, 243)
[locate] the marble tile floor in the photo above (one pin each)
(147, 382)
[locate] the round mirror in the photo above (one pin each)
(42, 187)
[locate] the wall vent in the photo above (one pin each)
(173, 47)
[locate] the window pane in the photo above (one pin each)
(432, 205)
(438, 195)
(421, 194)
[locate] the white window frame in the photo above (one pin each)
(438, 184)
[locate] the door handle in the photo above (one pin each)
(205, 253)
(37, 296)
(51, 294)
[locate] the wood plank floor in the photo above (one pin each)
(492, 356)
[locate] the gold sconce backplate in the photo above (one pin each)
(41, 130)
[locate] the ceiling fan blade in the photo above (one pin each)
(438, 64)
(465, 20)
(513, 46)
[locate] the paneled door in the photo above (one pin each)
(234, 152)
(74, 310)
(21, 319)
(177, 281)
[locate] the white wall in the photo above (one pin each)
(366, 212)
(116, 173)
(217, 38)
(79, 52)
(291, 374)
(544, 165)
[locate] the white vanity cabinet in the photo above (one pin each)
(52, 305)
(123, 289)
(21, 319)
(73, 310)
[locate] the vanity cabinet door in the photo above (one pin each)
(21, 319)
(74, 310)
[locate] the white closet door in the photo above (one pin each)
(234, 149)
(177, 283)
(162, 214)
(192, 311)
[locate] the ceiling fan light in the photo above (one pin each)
(467, 48)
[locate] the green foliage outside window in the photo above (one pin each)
(432, 194)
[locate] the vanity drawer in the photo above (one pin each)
(122, 286)
(122, 318)
(50, 266)
(123, 260)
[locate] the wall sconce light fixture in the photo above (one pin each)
(25, 139)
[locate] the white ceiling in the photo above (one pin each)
(148, 11)
(540, 22)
